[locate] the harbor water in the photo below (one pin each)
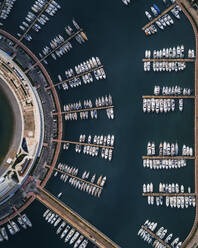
(115, 36)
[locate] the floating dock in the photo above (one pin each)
(159, 16)
(168, 60)
(85, 109)
(53, 50)
(168, 194)
(78, 178)
(168, 157)
(77, 76)
(80, 143)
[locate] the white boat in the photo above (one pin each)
(69, 235)
(73, 239)
(65, 231)
(26, 220)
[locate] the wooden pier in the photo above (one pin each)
(155, 236)
(53, 50)
(86, 109)
(77, 76)
(80, 143)
(169, 194)
(159, 16)
(78, 178)
(168, 157)
(84, 227)
(35, 20)
(168, 97)
(168, 60)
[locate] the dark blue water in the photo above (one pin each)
(115, 36)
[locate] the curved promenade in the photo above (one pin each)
(58, 107)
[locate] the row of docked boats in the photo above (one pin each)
(164, 66)
(148, 233)
(6, 6)
(172, 188)
(83, 73)
(84, 115)
(13, 227)
(168, 149)
(157, 164)
(90, 184)
(166, 53)
(105, 143)
(41, 20)
(89, 107)
(86, 186)
(59, 46)
(154, 105)
(171, 91)
(68, 170)
(65, 231)
(175, 201)
(163, 22)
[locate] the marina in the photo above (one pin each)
(78, 76)
(128, 85)
(159, 16)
